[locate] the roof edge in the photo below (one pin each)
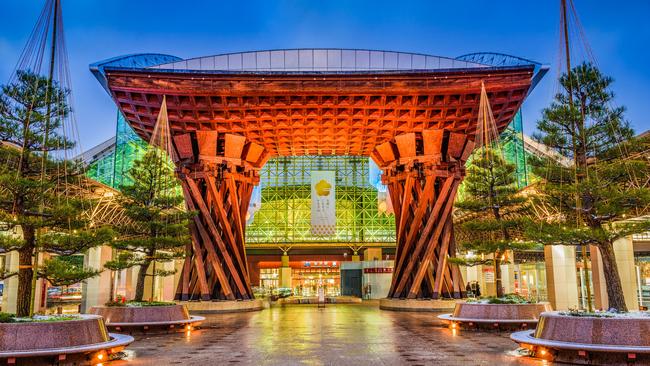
(330, 72)
(140, 60)
(502, 59)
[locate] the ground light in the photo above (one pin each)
(454, 329)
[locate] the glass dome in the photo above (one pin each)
(318, 60)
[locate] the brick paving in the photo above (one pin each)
(334, 335)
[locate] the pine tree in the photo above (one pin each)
(31, 200)
(158, 231)
(598, 192)
(491, 199)
(63, 272)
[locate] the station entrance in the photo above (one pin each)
(418, 125)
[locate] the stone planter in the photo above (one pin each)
(85, 340)
(226, 306)
(417, 305)
(489, 312)
(495, 315)
(589, 340)
(147, 317)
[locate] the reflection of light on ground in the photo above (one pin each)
(334, 335)
(519, 352)
(127, 355)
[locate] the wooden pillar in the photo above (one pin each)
(423, 172)
(217, 174)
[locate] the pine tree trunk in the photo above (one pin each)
(612, 277)
(497, 274)
(25, 273)
(142, 275)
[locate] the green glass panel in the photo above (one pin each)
(101, 169)
(284, 216)
(113, 169)
(285, 213)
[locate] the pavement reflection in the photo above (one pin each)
(334, 335)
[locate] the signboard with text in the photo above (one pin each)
(323, 203)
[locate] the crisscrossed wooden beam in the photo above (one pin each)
(423, 172)
(225, 126)
(217, 174)
(316, 114)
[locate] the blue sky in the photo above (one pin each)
(619, 33)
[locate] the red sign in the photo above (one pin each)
(377, 270)
(321, 264)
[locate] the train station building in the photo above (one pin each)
(317, 113)
(320, 145)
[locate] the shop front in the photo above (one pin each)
(299, 278)
(642, 267)
(530, 280)
(312, 275)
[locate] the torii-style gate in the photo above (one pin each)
(418, 125)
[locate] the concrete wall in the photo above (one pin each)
(163, 287)
(624, 253)
(561, 276)
(96, 290)
(11, 286)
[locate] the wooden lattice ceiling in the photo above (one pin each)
(318, 114)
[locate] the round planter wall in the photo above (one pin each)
(416, 305)
(141, 314)
(465, 310)
(87, 330)
(622, 331)
(227, 306)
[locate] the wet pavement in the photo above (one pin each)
(334, 335)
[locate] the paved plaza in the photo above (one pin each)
(334, 335)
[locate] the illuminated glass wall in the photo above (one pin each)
(113, 169)
(512, 142)
(285, 211)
